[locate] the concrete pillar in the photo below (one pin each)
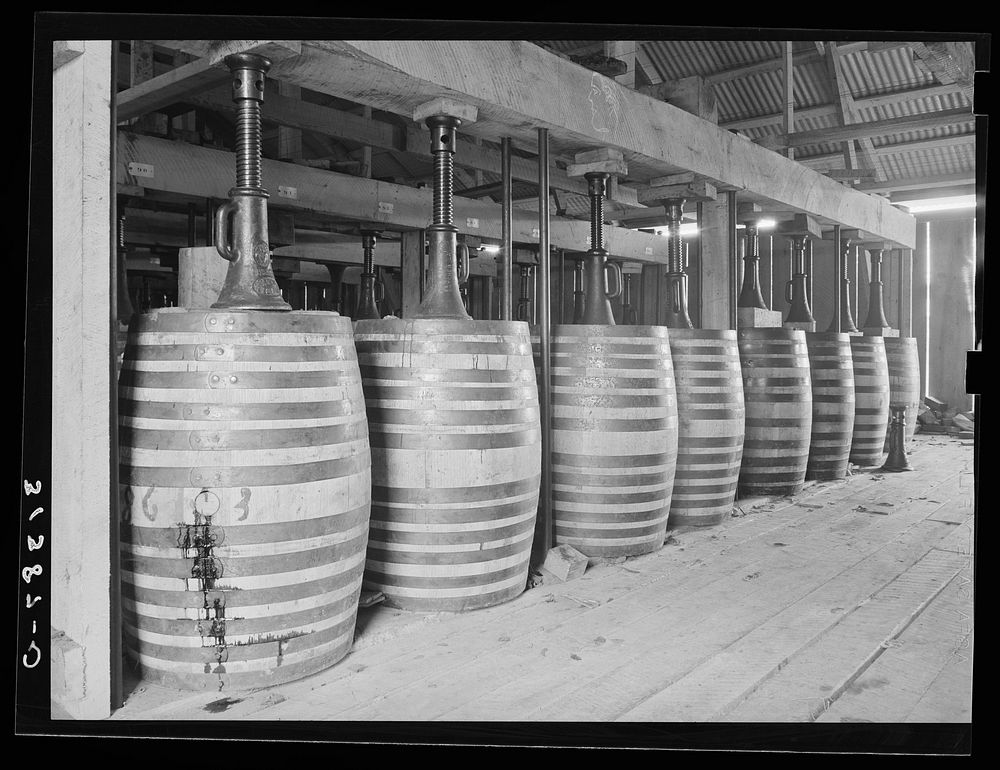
(83, 321)
(952, 259)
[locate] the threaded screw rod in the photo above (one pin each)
(248, 93)
(675, 247)
(596, 184)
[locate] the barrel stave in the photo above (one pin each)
(871, 411)
(456, 460)
(832, 376)
(778, 398)
(712, 417)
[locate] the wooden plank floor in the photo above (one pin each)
(849, 602)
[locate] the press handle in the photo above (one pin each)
(222, 230)
(463, 263)
(616, 270)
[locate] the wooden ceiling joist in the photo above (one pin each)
(942, 118)
(502, 78)
(189, 170)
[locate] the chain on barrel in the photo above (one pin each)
(245, 493)
(245, 471)
(455, 434)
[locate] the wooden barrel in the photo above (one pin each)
(456, 460)
(904, 381)
(832, 372)
(614, 437)
(712, 418)
(244, 495)
(778, 395)
(871, 405)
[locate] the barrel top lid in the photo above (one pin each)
(772, 333)
(239, 321)
(703, 334)
(604, 330)
(827, 337)
(437, 326)
(867, 342)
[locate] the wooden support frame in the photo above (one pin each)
(657, 138)
(207, 173)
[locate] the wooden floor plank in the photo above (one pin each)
(553, 659)
(925, 674)
(819, 673)
(588, 647)
(383, 677)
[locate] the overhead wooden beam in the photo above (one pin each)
(846, 115)
(920, 183)
(502, 77)
(644, 63)
(860, 103)
(170, 87)
(788, 114)
(623, 50)
(938, 119)
(803, 57)
(833, 160)
(379, 133)
(201, 172)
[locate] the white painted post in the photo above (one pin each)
(82, 314)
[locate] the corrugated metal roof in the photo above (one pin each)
(866, 73)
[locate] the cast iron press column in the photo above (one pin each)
(846, 320)
(876, 313)
(597, 305)
(795, 289)
(249, 283)
(367, 300)
(677, 281)
(443, 298)
(750, 295)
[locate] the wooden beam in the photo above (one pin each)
(207, 173)
(767, 65)
(788, 115)
(860, 103)
(623, 50)
(847, 115)
(414, 141)
(825, 160)
(643, 61)
(170, 87)
(692, 94)
(502, 77)
(919, 183)
(860, 130)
